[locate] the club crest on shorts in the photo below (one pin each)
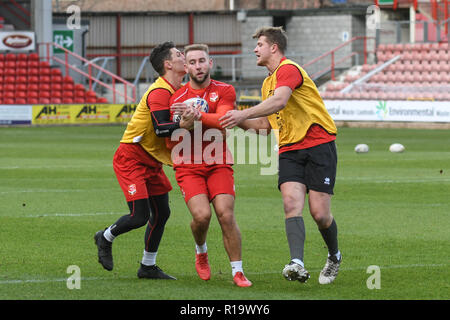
(132, 189)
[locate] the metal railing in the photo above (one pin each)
(332, 56)
(91, 67)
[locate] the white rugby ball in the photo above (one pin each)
(361, 148)
(396, 147)
(199, 103)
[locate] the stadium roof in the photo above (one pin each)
(140, 5)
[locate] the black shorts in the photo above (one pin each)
(314, 167)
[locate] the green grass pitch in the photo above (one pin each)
(57, 188)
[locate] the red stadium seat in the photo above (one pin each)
(44, 87)
(32, 86)
(44, 71)
(22, 64)
(33, 79)
(79, 94)
(44, 79)
(8, 95)
(21, 72)
(33, 72)
(32, 100)
(22, 79)
(56, 78)
(67, 100)
(44, 100)
(9, 87)
(33, 94)
(9, 101)
(10, 57)
(56, 86)
(21, 87)
(44, 94)
(10, 72)
(33, 57)
(9, 79)
(102, 100)
(44, 64)
(68, 94)
(91, 100)
(10, 64)
(79, 100)
(22, 57)
(33, 64)
(56, 72)
(67, 86)
(56, 100)
(79, 86)
(91, 94)
(68, 79)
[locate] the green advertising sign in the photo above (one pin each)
(64, 38)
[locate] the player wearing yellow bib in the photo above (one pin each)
(307, 152)
(138, 164)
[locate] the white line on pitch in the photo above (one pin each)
(24, 281)
(72, 214)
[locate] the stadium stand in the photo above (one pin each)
(421, 72)
(24, 79)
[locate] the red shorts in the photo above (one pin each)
(205, 179)
(139, 174)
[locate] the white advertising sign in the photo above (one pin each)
(373, 110)
(17, 41)
(15, 114)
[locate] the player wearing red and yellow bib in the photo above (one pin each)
(138, 164)
(307, 152)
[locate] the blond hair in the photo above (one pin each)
(192, 47)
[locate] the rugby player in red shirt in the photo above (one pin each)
(138, 164)
(207, 177)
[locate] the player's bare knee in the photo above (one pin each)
(202, 218)
(292, 207)
(322, 219)
(226, 218)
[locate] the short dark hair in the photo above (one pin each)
(274, 35)
(160, 54)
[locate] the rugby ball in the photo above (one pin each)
(396, 147)
(362, 148)
(198, 103)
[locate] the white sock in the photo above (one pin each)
(298, 261)
(108, 235)
(202, 248)
(236, 266)
(337, 255)
(149, 258)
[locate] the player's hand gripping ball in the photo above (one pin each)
(198, 103)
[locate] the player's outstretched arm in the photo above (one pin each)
(259, 125)
(269, 106)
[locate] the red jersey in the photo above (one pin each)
(206, 149)
(290, 76)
